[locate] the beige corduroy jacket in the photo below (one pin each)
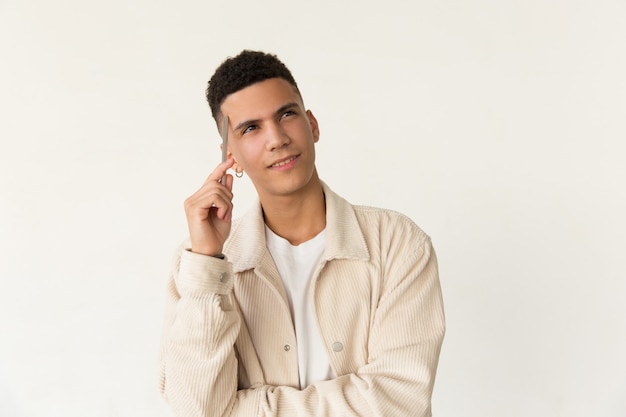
(229, 346)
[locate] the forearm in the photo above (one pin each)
(396, 376)
(403, 388)
(403, 349)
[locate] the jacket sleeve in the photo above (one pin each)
(198, 366)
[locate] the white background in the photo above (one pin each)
(498, 126)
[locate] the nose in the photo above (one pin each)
(276, 137)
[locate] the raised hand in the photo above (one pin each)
(209, 212)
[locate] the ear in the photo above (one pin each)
(236, 166)
(228, 153)
(315, 129)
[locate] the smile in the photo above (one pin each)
(283, 162)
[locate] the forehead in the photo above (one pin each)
(260, 99)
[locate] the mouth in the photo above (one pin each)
(283, 162)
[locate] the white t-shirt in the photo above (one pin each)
(296, 266)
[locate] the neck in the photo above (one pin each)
(298, 217)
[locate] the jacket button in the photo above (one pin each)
(337, 347)
(224, 277)
(287, 348)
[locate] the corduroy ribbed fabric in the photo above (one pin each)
(229, 347)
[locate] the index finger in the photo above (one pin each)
(219, 173)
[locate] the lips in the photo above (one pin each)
(283, 162)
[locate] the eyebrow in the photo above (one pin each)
(277, 112)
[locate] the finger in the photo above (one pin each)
(208, 193)
(229, 183)
(220, 206)
(222, 200)
(214, 188)
(220, 171)
(223, 212)
(211, 195)
(217, 197)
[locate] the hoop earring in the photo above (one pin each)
(238, 174)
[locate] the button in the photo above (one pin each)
(224, 277)
(337, 347)
(287, 348)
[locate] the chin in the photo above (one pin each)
(292, 185)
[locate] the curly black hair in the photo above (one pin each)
(237, 73)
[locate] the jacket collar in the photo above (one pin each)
(246, 247)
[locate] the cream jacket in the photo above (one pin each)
(229, 346)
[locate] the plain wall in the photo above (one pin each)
(498, 126)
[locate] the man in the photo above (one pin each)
(306, 305)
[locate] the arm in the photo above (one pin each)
(396, 379)
(397, 372)
(398, 354)
(198, 368)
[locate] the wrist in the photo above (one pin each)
(213, 252)
(218, 255)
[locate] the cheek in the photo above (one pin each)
(245, 156)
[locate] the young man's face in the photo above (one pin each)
(272, 137)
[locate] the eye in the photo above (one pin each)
(249, 129)
(287, 114)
